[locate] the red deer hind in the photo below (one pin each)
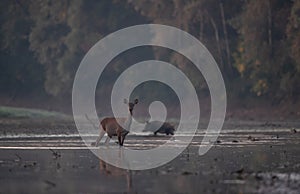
(111, 126)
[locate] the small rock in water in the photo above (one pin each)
(274, 177)
(252, 138)
(258, 177)
(240, 171)
(186, 173)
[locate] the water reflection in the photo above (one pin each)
(112, 171)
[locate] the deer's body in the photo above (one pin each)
(112, 127)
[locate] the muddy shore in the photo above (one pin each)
(249, 157)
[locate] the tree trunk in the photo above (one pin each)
(270, 27)
(226, 38)
(217, 40)
(201, 28)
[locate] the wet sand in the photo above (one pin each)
(245, 159)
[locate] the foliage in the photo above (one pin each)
(256, 43)
(20, 71)
(261, 56)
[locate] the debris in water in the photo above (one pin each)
(186, 173)
(56, 154)
(240, 171)
(269, 124)
(58, 166)
(252, 138)
(258, 177)
(29, 164)
(50, 183)
(274, 177)
(19, 158)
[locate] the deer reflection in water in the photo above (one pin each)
(115, 172)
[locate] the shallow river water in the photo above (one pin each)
(241, 161)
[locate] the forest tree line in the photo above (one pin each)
(255, 42)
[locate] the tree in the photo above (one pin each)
(63, 32)
(20, 72)
(261, 56)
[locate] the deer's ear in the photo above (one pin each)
(125, 101)
(136, 101)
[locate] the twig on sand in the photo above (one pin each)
(56, 154)
(50, 183)
(19, 158)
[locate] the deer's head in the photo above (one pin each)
(131, 104)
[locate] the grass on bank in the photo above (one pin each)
(13, 112)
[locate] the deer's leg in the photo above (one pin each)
(123, 137)
(101, 134)
(107, 140)
(120, 139)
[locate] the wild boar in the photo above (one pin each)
(159, 127)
